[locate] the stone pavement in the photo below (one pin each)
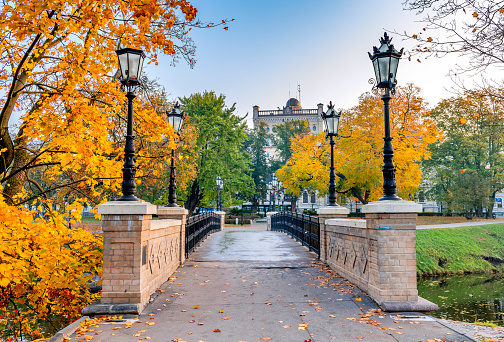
(246, 284)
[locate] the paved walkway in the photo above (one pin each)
(457, 225)
(246, 284)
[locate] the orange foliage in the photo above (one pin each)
(359, 150)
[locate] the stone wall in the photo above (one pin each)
(139, 254)
(377, 254)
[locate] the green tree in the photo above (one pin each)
(284, 133)
(465, 170)
(221, 135)
(257, 140)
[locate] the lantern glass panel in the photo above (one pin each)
(123, 64)
(334, 125)
(134, 63)
(384, 64)
(376, 70)
(394, 62)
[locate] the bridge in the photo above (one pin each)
(173, 280)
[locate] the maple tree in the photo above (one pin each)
(359, 150)
(465, 169)
(44, 271)
(59, 74)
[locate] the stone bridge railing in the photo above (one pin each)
(378, 254)
(139, 253)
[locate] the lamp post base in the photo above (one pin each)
(128, 198)
(171, 205)
(393, 197)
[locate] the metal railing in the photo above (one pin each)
(303, 228)
(198, 227)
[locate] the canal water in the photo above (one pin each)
(467, 298)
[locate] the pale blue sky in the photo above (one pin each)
(272, 44)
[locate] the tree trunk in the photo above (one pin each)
(16, 183)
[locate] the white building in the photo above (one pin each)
(292, 111)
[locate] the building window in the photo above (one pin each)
(499, 202)
(314, 128)
(313, 198)
(305, 197)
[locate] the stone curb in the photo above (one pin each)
(67, 331)
(110, 309)
(422, 305)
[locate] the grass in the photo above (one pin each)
(476, 249)
(89, 219)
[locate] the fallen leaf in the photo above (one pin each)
(358, 299)
(266, 339)
(196, 307)
(286, 326)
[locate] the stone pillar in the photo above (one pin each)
(268, 215)
(125, 231)
(222, 218)
(324, 214)
(392, 279)
(176, 213)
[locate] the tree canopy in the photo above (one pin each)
(221, 135)
(359, 149)
(469, 27)
(466, 167)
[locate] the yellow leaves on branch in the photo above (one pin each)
(359, 152)
(44, 267)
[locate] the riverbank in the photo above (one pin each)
(477, 249)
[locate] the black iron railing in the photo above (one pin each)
(304, 228)
(198, 227)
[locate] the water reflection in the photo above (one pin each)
(468, 298)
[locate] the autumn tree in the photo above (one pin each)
(466, 28)
(282, 139)
(466, 168)
(359, 149)
(221, 135)
(257, 140)
(59, 73)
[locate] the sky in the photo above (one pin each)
(274, 45)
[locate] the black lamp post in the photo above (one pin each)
(331, 124)
(270, 195)
(274, 185)
(220, 185)
(385, 61)
(175, 118)
(130, 62)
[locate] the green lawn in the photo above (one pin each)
(459, 250)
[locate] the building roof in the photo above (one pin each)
(294, 103)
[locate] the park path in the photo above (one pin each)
(249, 284)
(461, 224)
